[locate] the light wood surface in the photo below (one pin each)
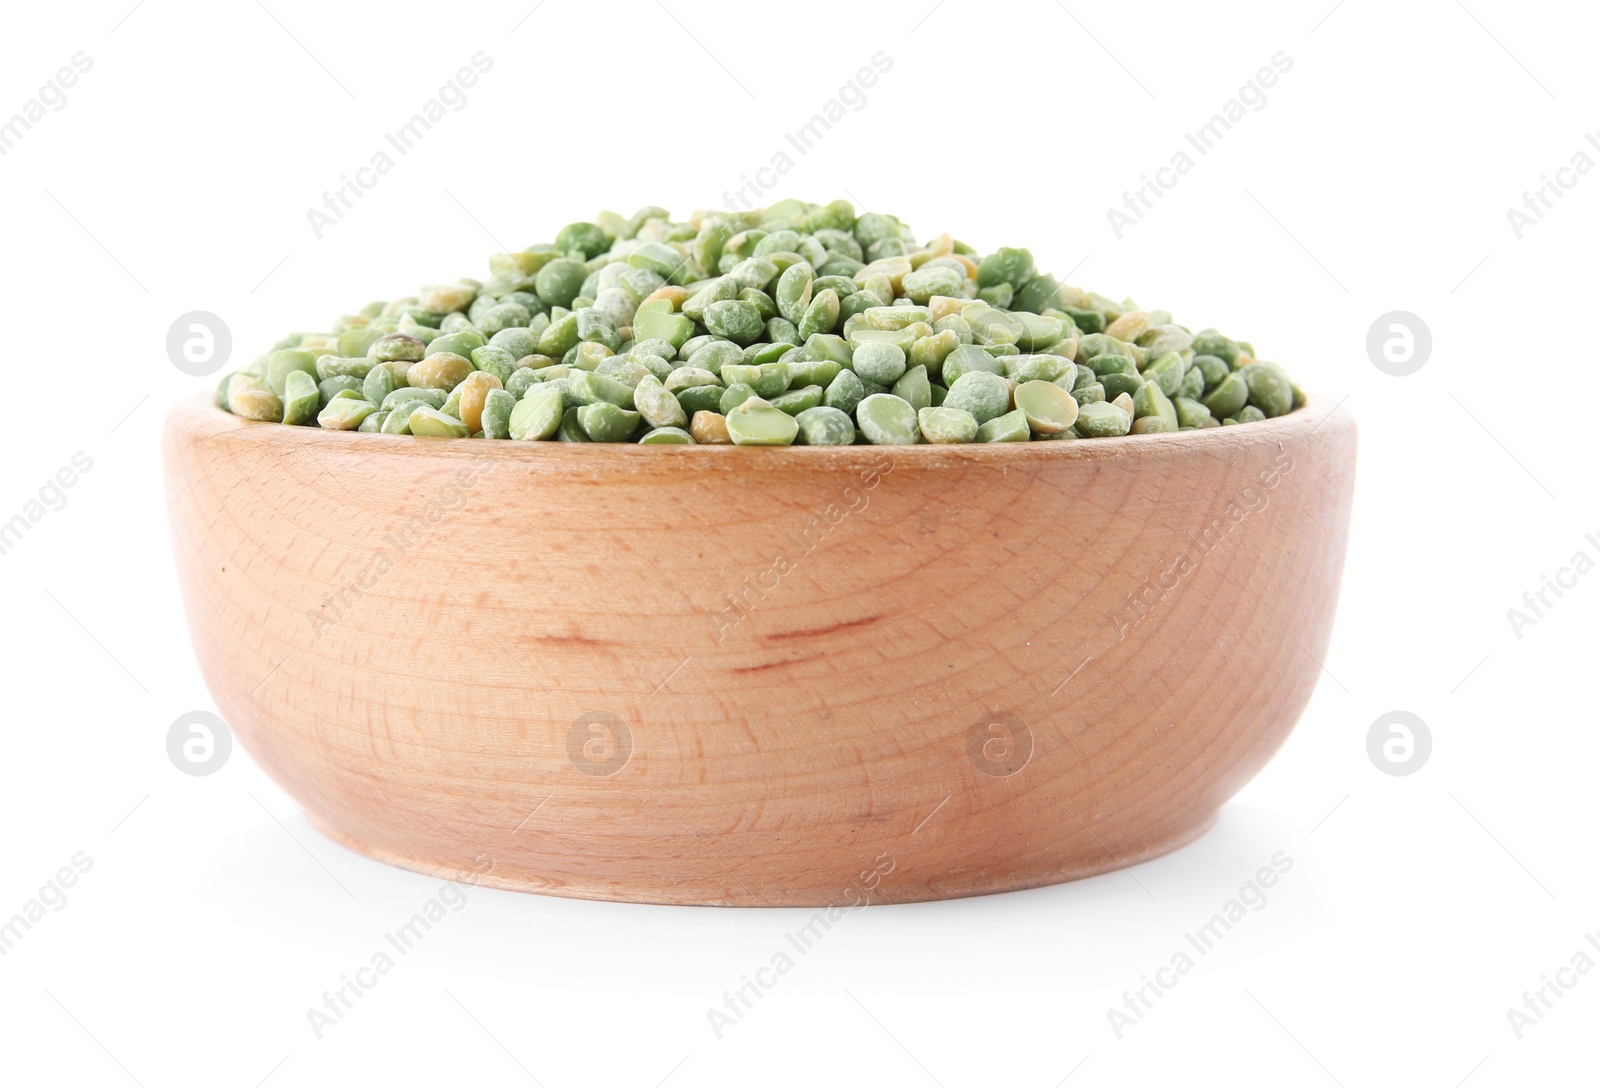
(957, 669)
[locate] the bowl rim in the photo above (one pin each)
(201, 412)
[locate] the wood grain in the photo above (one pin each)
(854, 673)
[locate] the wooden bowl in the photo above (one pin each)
(805, 676)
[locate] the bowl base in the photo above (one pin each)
(905, 889)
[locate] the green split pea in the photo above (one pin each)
(796, 324)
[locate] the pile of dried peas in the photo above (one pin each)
(799, 324)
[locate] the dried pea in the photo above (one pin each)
(1230, 395)
(1119, 383)
(535, 417)
(442, 370)
(474, 394)
(794, 291)
(1152, 401)
(329, 388)
(397, 421)
(945, 426)
(657, 405)
(666, 436)
(378, 384)
(821, 316)
(1270, 390)
(1168, 373)
(796, 401)
(879, 361)
(799, 310)
(966, 359)
(521, 381)
(813, 371)
(496, 416)
(1010, 427)
(700, 398)
(824, 426)
(1047, 407)
(758, 423)
(845, 392)
(251, 398)
(428, 422)
(887, 420)
(1191, 413)
(984, 396)
(586, 387)
(280, 363)
(710, 429)
(1102, 419)
(603, 421)
(301, 398)
(329, 366)
(772, 379)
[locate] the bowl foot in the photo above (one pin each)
(899, 886)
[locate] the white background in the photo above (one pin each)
(1376, 178)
